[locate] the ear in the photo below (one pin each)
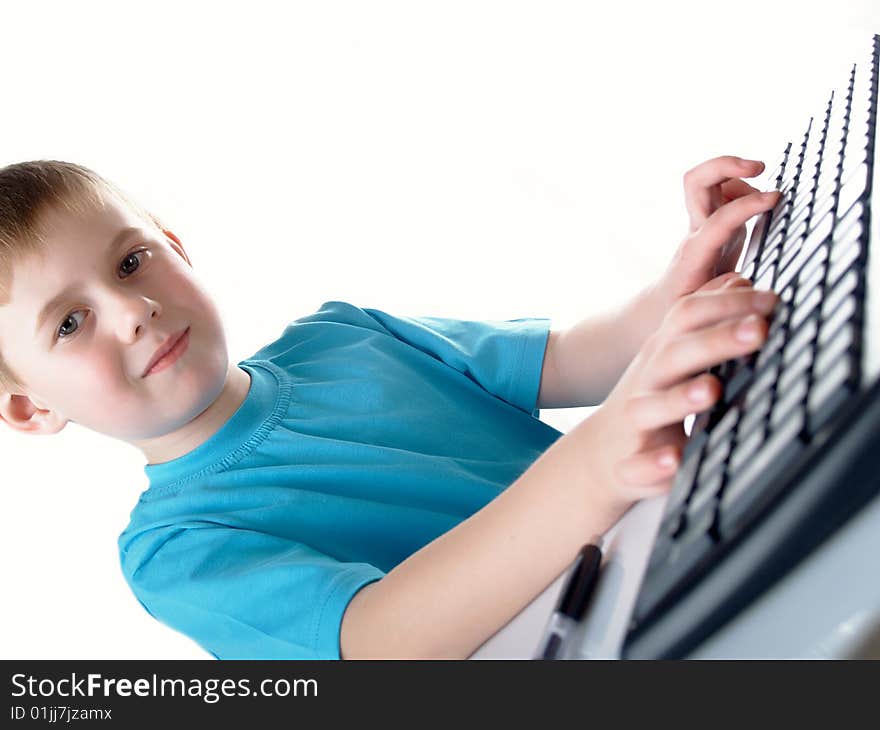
(27, 415)
(177, 245)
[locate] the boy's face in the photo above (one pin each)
(85, 361)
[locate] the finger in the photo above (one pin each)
(722, 226)
(704, 309)
(731, 251)
(671, 435)
(701, 196)
(736, 188)
(718, 169)
(720, 282)
(646, 474)
(736, 281)
(687, 355)
(725, 281)
(664, 407)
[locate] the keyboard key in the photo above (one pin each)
(781, 315)
(794, 397)
(723, 427)
(698, 436)
(681, 485)
(816, 260)
(846, 259)
(734, 385)
(755, 415)
(797, 230)
(768, 262)
(778, 210)
(826, 193)
(791, 251)
(855, 188)
(838, 291)
(705, 491)
(847, 219)
(844, 313)
(772, 345)
(819, 232)
(839, 345)
(806, 308)
(763, 382)
(799, 364)
(748, 492)
(833, 150)
(808, 171)
(844, 235)
(765, 280)
(803, 264)
(717, 455)
(804, 336)
(805, 286)
(826, 205)
(830, 393)
(780, 223)
(859, 129)
(773, 242)
(745, 448)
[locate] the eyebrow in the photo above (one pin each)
(121, 236)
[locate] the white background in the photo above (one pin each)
(483, 160)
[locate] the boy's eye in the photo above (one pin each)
(128, 265)
(128, 259)
(61, 330)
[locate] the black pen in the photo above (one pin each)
(574, 597)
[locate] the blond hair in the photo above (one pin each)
(28, 190)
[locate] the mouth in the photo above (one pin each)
(168, 353)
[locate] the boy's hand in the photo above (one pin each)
(642, 419)
(719, 204)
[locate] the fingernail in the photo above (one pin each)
(748, 330)
(765, 301)
(667, 460)
(698, 392)
(770, 195)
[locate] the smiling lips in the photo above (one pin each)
(168, 353)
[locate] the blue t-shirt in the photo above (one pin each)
(363, 437)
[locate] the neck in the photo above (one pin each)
(206, 424)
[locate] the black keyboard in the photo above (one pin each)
(747, 462)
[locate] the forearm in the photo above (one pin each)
(447, 599)
(589, 357)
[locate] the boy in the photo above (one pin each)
(366, 485)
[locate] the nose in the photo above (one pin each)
(134, 315)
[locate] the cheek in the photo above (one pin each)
(99, 395)
(184, 296)
(92, 375)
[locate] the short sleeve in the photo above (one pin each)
(504, 357)
(242, 594)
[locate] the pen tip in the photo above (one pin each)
(595, 540)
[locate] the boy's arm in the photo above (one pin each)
(582, 364)
(448, 598)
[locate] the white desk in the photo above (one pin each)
(827, 607)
